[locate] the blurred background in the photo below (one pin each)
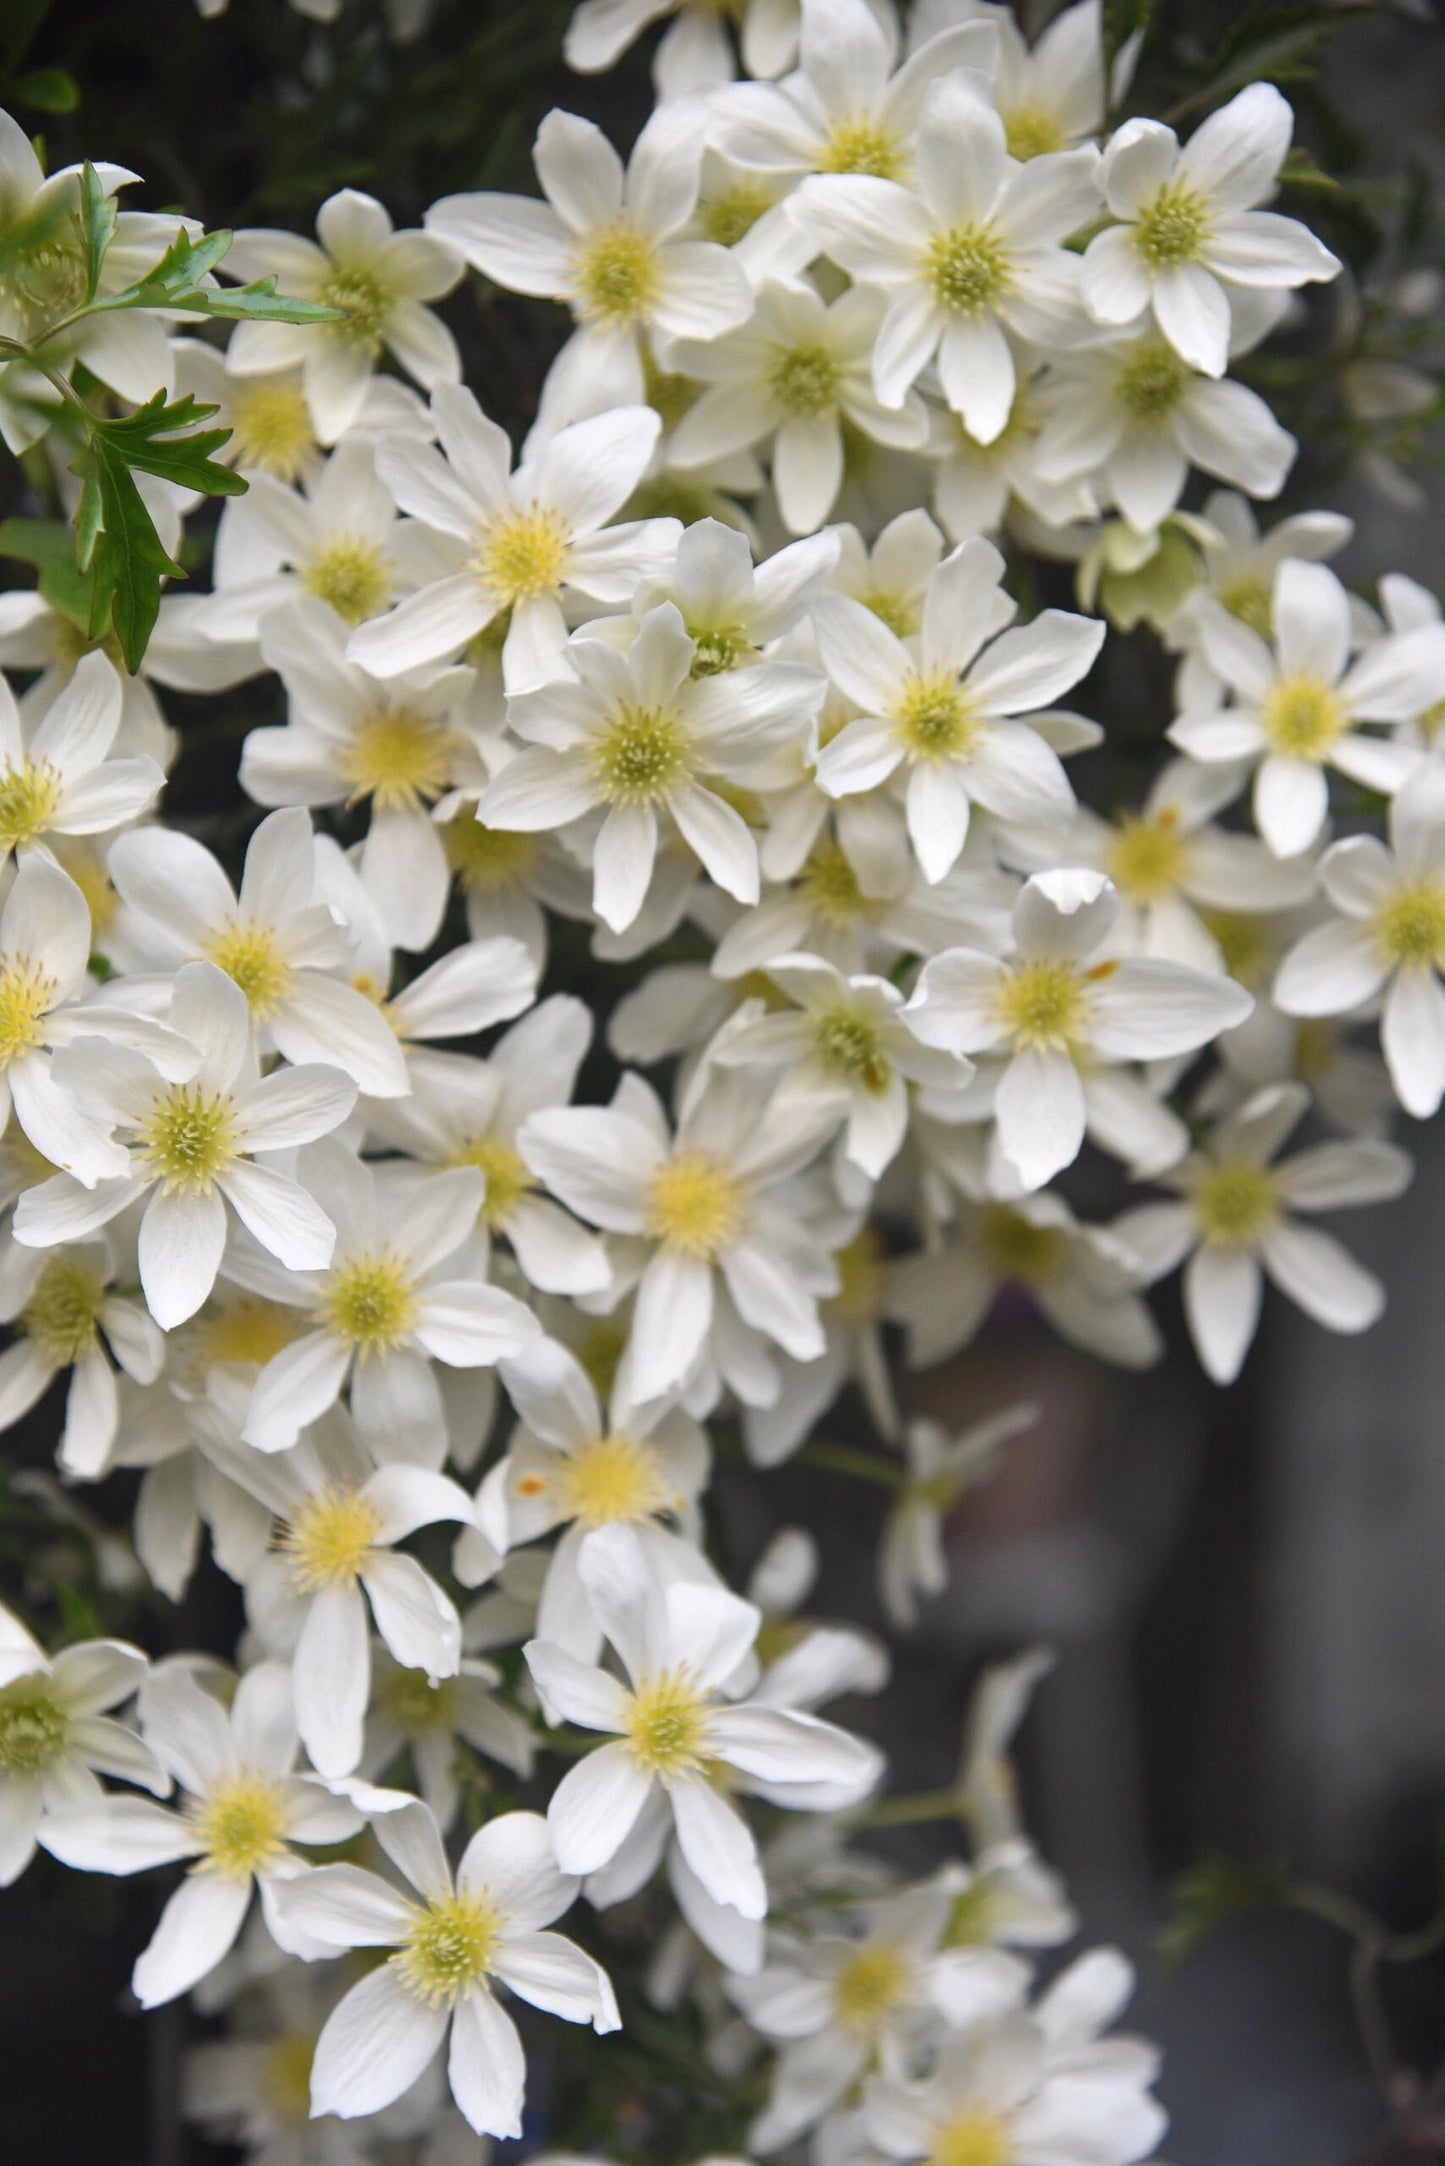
(1245, 1589)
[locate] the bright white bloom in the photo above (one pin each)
(378, 278)
(57, 1730)
(512, 545)
(679, 1643)
(973, 257)
(66, 1314)
(452, 1937)
(336, 1522)
(846, 1052)
(912, 1560)
(637, 736)
(945, 707)
(795, 377)
(732, 609)
(243, 1807)
(1240, 562)
(695, 49)
(1189, 231)
(722, 1256)
(1299, 702)
(1035, 2086)
(608, 242)
(387, 1308)
(1132, 417)
(438, 1723)
(1053, 1006)
(1388, 935)
(1235, 1223)
(1052, 94)
(277, 940)
(56, 776)
(192, 1149)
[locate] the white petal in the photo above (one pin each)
(197, 1927)
(375, 2044)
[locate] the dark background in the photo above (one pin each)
(1245, 1587)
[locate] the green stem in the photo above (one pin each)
(903, 1812)
(843, 1459)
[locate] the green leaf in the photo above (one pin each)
(46, 90)
(116, 538)
(97, 226)
(178, 281)
(49, 544)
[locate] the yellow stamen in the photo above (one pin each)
(328, 1539)
(696, 1207)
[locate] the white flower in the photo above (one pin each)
(1189, 232)
(1133, 417)
(384, 1308)
(56, 776)
(1049, 1007)
(608, 242)
(1298, 702)
(332, 1553)
(679, 1643)
(438, 1723)
(277, 940)
(378, 278)
(192, 1147)
(65, 1314)
(568, 1466)
(463, 1933)
(1052, 94)
(637, 736)
(722, 1255)
(243, 1808)
(512, 544)
(1240, 563)
(912, 1561)
(945, 708)
(1042, 2085)
(56, 1731)
(1235, 1222)
(847, 1051)
(973, 257)
(1388, 934)
(797, 374)
(732, 609)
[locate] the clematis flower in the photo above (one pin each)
(66, 1313)
(56, 775)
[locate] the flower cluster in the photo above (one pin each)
(734, 698)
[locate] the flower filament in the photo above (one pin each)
(251, 959)
(615, 275)
(1152, 380)
(370, 1302)
(1410, 928)
(1146, 856)
(328, 1539)
(271, 428)
(449, 1949)
(242, 1824)
(26, 993)
(1172, 228)
(1234, 1202)
(29, 800)
(522, 556)
(695, 1207)
(365, 304)
(400, 760)
(968, 269)
(59, 1319)
(33, 1726)
(848, 1045)
(1042, 1005)
(488, 859)
(613, 1480)
(803, 380)
(667, 1724)
(189, 1139)
(640, 756)
(1302, 716)
(861, 144)
(352, 575)
(934, 718)
(507, 1176)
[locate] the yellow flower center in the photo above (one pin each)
(522, 556)
(1429, 720)
(1042, 1004)
(26, 993)
(29, 799)
(371, 1303)
(189, 1139)
(830, 886)
(667, 1724)
(354, 576)
(488, 859)
(862, 145)
(414, 1703)
(242, 1823)
(398, 759)
(287, 2081)
(640, 756)
(969, 269)
(696, 1206)
(60, 1316)
(1302, 716)
(615, 275)
(897, 611)
(1172, 228)
(365, 304)
(734, 212)
(249, 956)
(719, 648)
(871, 1985)
(328, 1539)
(1234, 1202)
(975, 2139)
(803, 379)
(87, 869)
(613, 1479)
(1243, 942)
(1250, 600)
(1410, 928)
(1152, 380)
(1146, 857)
(251, 1330)
(934, 718)
(1030, 131)
(507, 1176)
(33, 1726)
(1018, 1249)
(848, 1045)
(449, 1949)
(271, 428)
(972, 1919)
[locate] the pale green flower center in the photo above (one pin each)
(449, 1949)
(522, 556)
(59, 1319)
(695, 1206)
(414, 1703)
(616, 275)
(831, 888)
(1043, 1005)
(26, 993)
(640, 756)
(1030, 131)
(1018, 1249)
(849, 1045)
(1411, 927)
(371, 1303)
(667, 1724)
(1173, 228)
(803, 380)
(613, 1480)
(251, 960)
(507, 1175)
(1146, 856)
(969, 269)
(1249, 599)
(1152, 381)
(871, 1985)
(974, 2139)
(350, 574)
(934, 718)
(29, 800)
(398, 759)
(365, 302)
(328, 1539)
(1234, 1202)
(719, 648)
(271, 428)
(242, 1825)
(861, 144)
(33, 1726)
(488, 859)
(731, 214)
(189, 1138)
(1302, 716)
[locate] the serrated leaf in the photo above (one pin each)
(97, 226)
(151, 439)
(178, 281)
(260, 302)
